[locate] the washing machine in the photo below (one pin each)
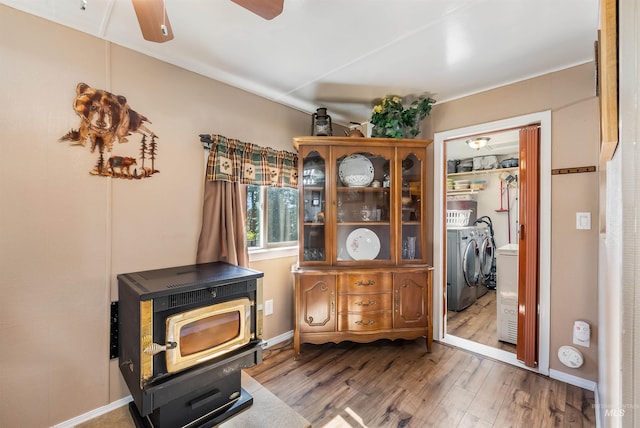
(463, 267)
(487, 260)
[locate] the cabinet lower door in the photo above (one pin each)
(317, 297)
(410, 294)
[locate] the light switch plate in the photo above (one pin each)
(583, 221)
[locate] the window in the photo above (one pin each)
(272, 216)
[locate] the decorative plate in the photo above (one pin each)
(363, 244)
(356, 171)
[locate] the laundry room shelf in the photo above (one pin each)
(462, 191)
(482, 171)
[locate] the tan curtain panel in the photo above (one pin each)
(231, 166)
(239, 162)
(223, 232)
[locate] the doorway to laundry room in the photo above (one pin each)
(492, 189)
(482, 197)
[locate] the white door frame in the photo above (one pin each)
(439, 322)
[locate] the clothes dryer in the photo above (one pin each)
(463, 267)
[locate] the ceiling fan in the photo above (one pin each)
(155, 25)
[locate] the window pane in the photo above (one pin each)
(254, 215)
(282, 215)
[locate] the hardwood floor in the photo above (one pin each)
(398, 384)
(478, 323)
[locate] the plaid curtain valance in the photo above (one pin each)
(236, 161)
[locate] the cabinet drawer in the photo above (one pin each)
(366, 321)
(364, 302)
(365, 282)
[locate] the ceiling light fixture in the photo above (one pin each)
(478, 143)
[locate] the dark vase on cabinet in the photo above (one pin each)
(362, 273)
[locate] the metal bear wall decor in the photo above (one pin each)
(105, 118)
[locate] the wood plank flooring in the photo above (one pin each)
(478, 323)
(397, 384)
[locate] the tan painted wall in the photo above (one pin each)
(570, 96)
(279, 288)
(66, 234)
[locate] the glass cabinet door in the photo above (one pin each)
(412, 231)
(363, 213)
(313, 206)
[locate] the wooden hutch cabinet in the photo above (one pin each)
(362, 273)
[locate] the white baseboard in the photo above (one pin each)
(94, 413)
(278, 339)
(572, 380)
(124, 401)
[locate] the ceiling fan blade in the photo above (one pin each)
(153, 19)
(267, 9)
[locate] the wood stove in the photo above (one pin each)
(185, 335)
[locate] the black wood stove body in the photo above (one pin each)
(185, 335)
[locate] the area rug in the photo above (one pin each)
(267, 411)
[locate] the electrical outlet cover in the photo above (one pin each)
(268, 307)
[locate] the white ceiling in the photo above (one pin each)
(501, 143)
(343, 54)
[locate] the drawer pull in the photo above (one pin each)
(370, 322)
(365, 284)
(369, 303)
